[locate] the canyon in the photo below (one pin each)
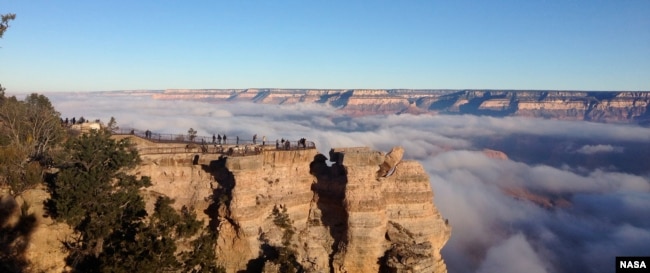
(359, 210)
(366, 212)
(597, 106)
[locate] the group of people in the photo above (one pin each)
(255, 140)
(217, 139)
(147, 134)
(286, 144)
(67, 121)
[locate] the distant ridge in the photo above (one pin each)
(597, 106)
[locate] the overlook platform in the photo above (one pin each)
(155, 143)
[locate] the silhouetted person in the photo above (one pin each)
(74, 121)
(254, 138)
(214, 139)
(263, 140)
(66, 121)
(277, 144)
(219, 139)
(237, 140)
(224, 139)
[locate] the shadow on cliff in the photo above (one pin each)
(14, 235)
(473, 106)
(221, 195)
(330, 191)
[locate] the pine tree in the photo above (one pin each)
(286, 253)
(93, 194)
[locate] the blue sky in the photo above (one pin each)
(126, 45)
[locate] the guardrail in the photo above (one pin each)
(229, 147)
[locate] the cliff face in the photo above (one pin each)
(620, 107)
(366, 212)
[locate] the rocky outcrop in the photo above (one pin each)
(363, 211)
(619, 107)
(406, 254)
(495, 154)
(40, 237)
(344, 215)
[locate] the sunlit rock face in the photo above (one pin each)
(368, 211)
(358, 211)
(617, 107)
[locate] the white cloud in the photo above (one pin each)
(490, 227)
(594, 149)
(514, 255)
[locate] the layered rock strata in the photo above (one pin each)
(363, 211)
(620, 107)
(344, 215)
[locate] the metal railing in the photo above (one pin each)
(200, 144)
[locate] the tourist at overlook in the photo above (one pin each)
(263, 140)
(254, 138)
(214, 139)
(224, 139)
(237, 140)
(219, 139)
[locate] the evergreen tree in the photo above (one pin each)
(191, 134)
(149, 248)
(286, 258)
(94, 194)
(112, 125)
(201, 259)
(4, 22)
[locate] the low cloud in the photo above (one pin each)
(594, 149)
(499, 258)
(602, 221)
(606, 210)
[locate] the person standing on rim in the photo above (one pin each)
(224, 138)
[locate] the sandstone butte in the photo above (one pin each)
(367, 212)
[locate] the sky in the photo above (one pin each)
(55, 46)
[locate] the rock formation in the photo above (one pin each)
(360, 211)
(44, 249)
(347, 217)
(368, 211)
(495, 154)
(342, 213)
(619, 107)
